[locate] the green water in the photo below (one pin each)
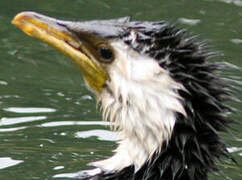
(48, 120)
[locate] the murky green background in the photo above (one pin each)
(48, 120)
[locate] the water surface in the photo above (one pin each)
(48, 121)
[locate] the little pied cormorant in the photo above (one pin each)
(157, 87)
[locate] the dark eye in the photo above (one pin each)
(106, 54)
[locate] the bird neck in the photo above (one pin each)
(144, 113)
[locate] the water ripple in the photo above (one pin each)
(74, 175)
(191, 22)
(66, 175)
(101, 134)
(28, 110)
(235, 2)
(11, 129)
(234, 149)
(17, 120)
(236, 41)
(8, 162)
(67, 123)
(3, 83)
(58, 167)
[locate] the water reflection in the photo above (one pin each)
(58, 167)
(235, 2)
(3, 83)
(69, 123)
(10, 121)
(11, 129)
(187, 21)
(103, 135)
(28, 110)
(66, 175)
(42, 89)
(73, 175)
(236, 41)
(234, 149)
(8, 162)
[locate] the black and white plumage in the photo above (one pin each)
(195, 144)
(164, 95)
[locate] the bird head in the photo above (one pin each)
(150, 80)
(134, 91)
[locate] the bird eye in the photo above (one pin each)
(106, 54)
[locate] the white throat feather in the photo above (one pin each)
(141, 100)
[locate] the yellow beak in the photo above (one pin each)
(50, 31)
